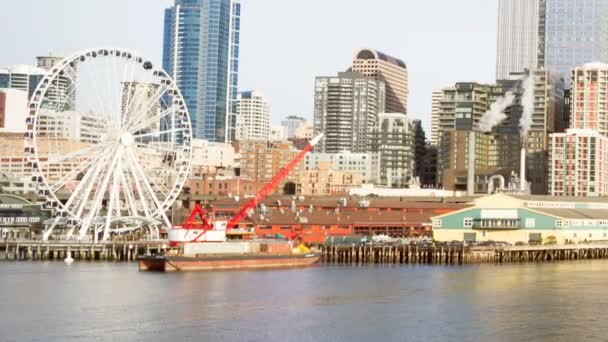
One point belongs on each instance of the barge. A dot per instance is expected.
(167, 263)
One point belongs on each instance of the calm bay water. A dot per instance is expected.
(97, 301)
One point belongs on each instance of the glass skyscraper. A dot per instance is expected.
(576, 33)
(520, 35)
(201, 52)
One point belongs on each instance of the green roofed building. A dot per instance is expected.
(519, 218)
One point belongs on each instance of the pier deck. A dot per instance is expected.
(458, 255)
(102, 251)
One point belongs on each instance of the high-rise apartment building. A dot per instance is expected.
(394, 142)
(346, 110)
(579, 163)
(291, 124)
(520, 43)
(588, 98)
(576, 33)
(548, 117)
(253, 116)
(435, 112)
(392, 71)
(201, 53)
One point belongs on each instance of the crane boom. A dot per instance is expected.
(201, 226)
(270, 186)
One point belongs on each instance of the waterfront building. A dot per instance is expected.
(253, 116)
(394, 143)
(201, 53)
(292, 123)
(520, 39)
(579, 164)
(13, 110)
(576, 33)
(437, 96)
(527, 219)
(356, 163)
(324, 180)
(19, 217)
(346, 110)
(317, 218)
(390, 70)
(261, 161)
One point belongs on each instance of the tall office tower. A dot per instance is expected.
(435, 111)
(576, 33)
(588, 98)
(394, 143)
(201, 53)
(253, 112)
(291, 124)
(346, 111)
(392, 71)
(520, 43)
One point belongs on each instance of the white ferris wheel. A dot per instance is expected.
(109, 140)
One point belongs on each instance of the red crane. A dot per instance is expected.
(202, 226)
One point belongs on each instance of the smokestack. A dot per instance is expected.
(471, 165)
(522, 168)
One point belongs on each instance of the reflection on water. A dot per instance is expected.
(53, 301)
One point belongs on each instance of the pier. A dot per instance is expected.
(85, 251)
(458, 255)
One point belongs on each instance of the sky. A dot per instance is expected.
(284, 43)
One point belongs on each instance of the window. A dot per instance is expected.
(436, 223)
(530, 223)
(468, 222)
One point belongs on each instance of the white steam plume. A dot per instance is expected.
(496, 114)
(527, 103)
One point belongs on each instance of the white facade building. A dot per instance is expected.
(212, 154)
(277, 133)
(360, 163)
(253, 116)
(520, 42)
(435, 113)
(72, 125)
(13, 110)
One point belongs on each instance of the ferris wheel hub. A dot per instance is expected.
(126, 139)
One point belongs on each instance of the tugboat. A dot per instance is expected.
(202, 245)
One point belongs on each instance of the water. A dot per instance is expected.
(96, 301)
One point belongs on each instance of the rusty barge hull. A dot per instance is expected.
(225, 262)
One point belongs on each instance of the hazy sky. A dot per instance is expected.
(284, 43)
